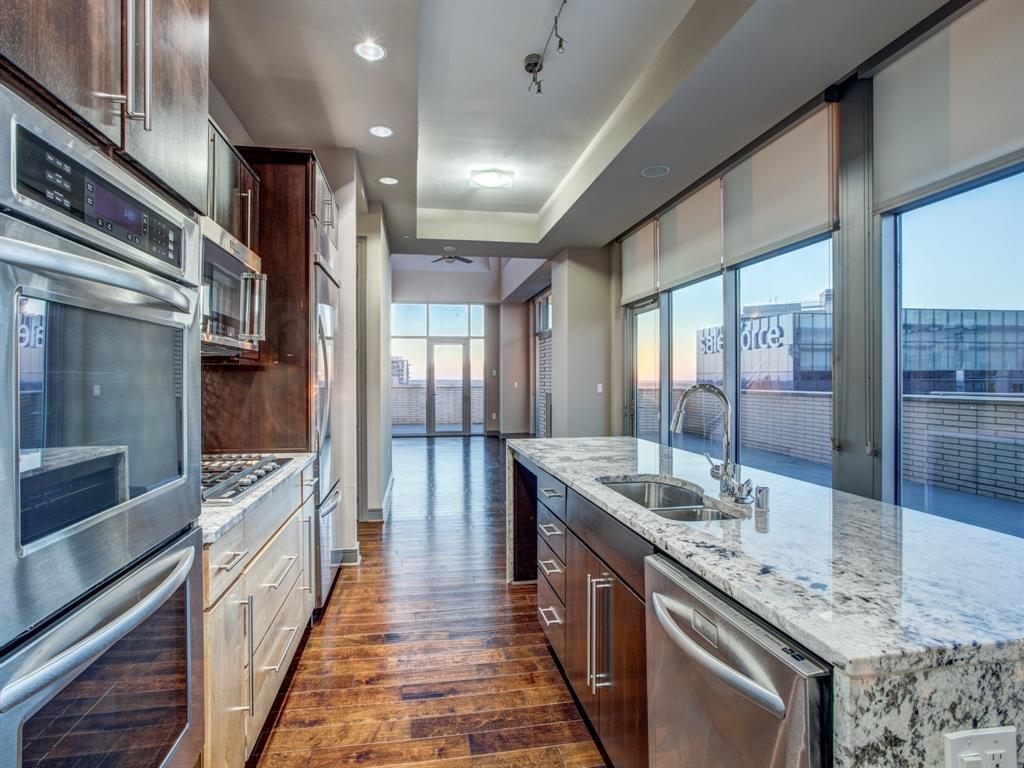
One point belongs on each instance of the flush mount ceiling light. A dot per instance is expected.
(491, 178)
(449, 249)
(655, 171)
(370, 50)
(389, 180)
(381, 131)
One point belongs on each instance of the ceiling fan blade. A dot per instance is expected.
(463, 259)
(437, 260)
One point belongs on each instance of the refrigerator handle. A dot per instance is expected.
(325, 407)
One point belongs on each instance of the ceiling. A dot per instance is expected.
(686, 83)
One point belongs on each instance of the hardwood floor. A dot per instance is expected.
(425, 657)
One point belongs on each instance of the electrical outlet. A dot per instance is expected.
(981, 748)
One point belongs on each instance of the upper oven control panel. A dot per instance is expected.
(52, 178)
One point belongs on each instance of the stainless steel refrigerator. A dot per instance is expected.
(327, 327)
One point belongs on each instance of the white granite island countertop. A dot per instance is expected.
(921, 617)
(217, 519)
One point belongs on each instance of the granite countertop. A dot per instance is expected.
(870, 587)
(218, 519)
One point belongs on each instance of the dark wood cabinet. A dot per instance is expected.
(71, 49)
(588, 566)
(138, 80)
(233, 191)
(172, 87)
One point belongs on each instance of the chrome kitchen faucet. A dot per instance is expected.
(725, 472)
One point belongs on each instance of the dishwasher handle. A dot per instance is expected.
(739, 682)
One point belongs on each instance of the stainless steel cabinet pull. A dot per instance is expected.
(250, 648)
(130, 110)
(284, 655)
(551, 493)
(236, 558)
(739, 682)
(549, 530)
(247, 606)
(84, 652)
(590, 632)
(549, 567)
(277, 584)
(548, 622)
(248, 216)
(254, 307)
(599, 679)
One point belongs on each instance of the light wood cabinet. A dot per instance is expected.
(254, 623)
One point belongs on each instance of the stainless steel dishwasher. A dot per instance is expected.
(724, 691)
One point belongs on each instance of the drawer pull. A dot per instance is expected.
(551, 493)
(277, 584)
(250, 646)
(548, 622)
(291, 636)
(549, 567)
(236, 558)
(549, 530)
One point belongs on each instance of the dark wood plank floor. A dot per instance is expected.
(425, 657)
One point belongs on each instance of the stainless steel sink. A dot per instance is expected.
(656, 495)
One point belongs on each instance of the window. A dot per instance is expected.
(697, 355)
(647, 373)
(431, 346)
(785, 363)
(961, 364)
(542, 365)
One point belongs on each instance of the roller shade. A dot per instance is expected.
(690, 237)
(639, 267)
(952, 108)
(785, 192)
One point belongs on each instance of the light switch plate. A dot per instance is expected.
(981, 748)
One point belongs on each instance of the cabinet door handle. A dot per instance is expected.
(284, 655)
(277, 584)
(549, 530)
(549, 567)
(593, 675)
(250, 648)
(248, 216)
(550, 493)
(130, 110)
(548, 622)
(236, 558)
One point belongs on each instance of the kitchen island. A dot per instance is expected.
(920, 617)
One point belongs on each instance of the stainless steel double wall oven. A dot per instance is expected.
(101, 614)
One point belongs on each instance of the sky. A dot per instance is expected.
(446, 320)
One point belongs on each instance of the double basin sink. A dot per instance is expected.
(668, 500)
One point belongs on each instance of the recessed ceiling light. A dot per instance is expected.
(389, 180)
(381, 131)
(449, 249)
(491, 178)
(370, 50)
(655, 171)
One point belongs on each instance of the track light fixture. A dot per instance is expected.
(534, 62)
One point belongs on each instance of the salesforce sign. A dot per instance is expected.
(711, 341)
(765, 344)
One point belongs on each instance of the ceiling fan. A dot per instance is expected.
(451, 258)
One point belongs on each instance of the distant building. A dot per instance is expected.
(399, 370)
(789, 347)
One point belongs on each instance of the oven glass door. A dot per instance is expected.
(127, 690)
(99, 412)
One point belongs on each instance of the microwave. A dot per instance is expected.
(234, 294)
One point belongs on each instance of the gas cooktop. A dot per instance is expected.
(226, 477)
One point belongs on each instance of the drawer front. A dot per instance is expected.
(224, 560)
(271, 575)
(551, 615)
(266, 517)
(551, 566)
(623, 550)
(551, 531)
(551, 492)
(272, 658)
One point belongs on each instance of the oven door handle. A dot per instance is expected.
(749, 689)
(92, 647)
(31, 256)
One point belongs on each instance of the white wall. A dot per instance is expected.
(492, 368)
(453, 285)
(224, 116)
(581, 336)
(515, 368)
(376, 377)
